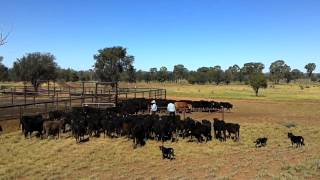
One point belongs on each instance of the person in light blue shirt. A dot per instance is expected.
(154, 107)
(171, 108)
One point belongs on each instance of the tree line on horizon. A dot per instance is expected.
(115, 64)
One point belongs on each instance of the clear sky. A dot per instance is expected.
(165, 32)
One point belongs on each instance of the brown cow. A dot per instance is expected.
(182, 106)
(52, 128)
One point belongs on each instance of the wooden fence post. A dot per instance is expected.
(25, 95)
(70, 97)
(57, 102)
(48, 88)
(11, 96)
(116, 98)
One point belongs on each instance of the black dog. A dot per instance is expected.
(260, 142)
(298, 140)
(167, 152)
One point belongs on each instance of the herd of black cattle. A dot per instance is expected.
(133, 106)
(125, 121)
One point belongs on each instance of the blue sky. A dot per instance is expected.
(165, 32)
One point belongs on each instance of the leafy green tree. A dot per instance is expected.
(279, 70)
(131, 74)
(296, 74)
(252, 67)
(35, 67)
(310, 67)
(202, 75)
(110, 62)
(4, 71)
(163, 74)
(217, 74)
(85, 75)
(228, 76)
(233, 72)
(193, 77)
(74, 76)
(179, 72)
(153, 74)
(257, 81)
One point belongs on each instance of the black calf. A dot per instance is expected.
(260, 142)
(298, 140)
(167, 153)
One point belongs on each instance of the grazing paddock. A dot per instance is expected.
(282, 92)
(106, 158)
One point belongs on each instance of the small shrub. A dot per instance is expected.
(301, 87)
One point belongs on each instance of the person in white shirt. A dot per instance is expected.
(154, 107)
(171, 108)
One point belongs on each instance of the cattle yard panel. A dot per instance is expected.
(21, 100)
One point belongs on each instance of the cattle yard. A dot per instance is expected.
(19, 100)
(114, 158)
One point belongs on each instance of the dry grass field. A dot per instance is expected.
(105, 158)
(284, 92)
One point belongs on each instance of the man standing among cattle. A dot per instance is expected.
(154, 107)
(171, 109)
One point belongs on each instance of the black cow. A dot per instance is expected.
(32, 123)
(260, 142)
(167, 153)
(233, 129)
(206, 129)
(219, 128)
(226, 105)
(78, 123)
(298, 140)
(56, 115)
(138, 135)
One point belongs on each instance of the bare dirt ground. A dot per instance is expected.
(105, 158)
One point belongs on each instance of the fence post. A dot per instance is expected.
(20, 112)
(54, 88)
(11, 96)
(70, 96)
(48, 88)
(57, 102)
(116, 98)
(83, 88)
(92, 96)
(96, 91)
(25, 95)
